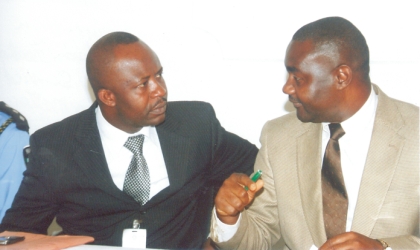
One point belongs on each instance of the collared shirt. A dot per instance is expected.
(354, 146)
(12, 164)
(119, 157)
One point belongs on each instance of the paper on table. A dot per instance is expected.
(44, 242)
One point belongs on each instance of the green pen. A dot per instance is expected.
(255, 177)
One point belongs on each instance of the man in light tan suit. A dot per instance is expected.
(328, 65)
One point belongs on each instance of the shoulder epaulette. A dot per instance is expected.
(18, 118)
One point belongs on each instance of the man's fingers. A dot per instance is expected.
(351, 240)
(231, 203)
(245, 181)
(254, 188)
(259, 184)
(233, 197)
(232, 194)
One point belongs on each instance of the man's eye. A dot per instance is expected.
(297, 79)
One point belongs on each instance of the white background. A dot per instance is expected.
(228, 53)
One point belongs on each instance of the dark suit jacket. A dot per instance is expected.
(68, 177)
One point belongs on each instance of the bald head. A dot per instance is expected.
(101, 55)
(342, 35)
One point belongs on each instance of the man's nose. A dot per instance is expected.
(159, 88)
(288, 87)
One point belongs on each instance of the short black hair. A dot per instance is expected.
(349, 40)
(105, 44)
(116, 38)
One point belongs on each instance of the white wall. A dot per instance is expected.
(228, 53)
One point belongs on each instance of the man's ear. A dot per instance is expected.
(344, 75)
(106, 97)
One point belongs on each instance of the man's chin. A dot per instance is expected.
(302, 117)
(158, 120)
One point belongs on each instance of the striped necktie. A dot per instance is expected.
(334, 195)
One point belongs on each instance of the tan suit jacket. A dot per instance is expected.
(289, 209)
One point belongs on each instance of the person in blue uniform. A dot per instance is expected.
(14, 137)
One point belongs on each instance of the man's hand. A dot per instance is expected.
(232, 197)
(351, 240)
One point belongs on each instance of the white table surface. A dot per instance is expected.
(98, 247)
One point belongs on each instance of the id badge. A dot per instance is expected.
(134, 237)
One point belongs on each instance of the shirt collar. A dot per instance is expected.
(110, 133)
(363, 118)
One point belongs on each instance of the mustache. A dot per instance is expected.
(162, 100)
(291, 99)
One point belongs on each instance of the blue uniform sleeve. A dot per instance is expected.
(12, 164)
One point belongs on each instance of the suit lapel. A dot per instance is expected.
(309, 175)
(90, 155)
(382, 159)
(175, 149)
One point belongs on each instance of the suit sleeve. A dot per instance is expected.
(259, 226)
(231, 153)
(34, 207)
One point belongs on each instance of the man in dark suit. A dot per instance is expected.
(77, 167)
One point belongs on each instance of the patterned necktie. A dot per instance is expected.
(334, 195)
(137, 178)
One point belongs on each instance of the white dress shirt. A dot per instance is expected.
(354, 146)
(119, 157)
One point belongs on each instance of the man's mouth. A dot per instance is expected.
(159, 108)
(295, 102)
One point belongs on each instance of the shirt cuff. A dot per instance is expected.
(313, 247)
(224, 231)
